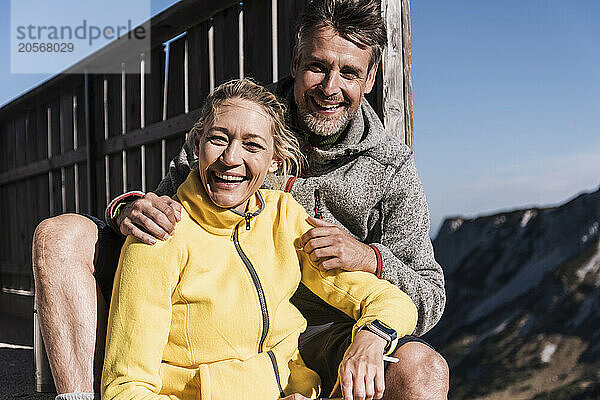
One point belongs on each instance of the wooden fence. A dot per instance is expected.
(78, 140)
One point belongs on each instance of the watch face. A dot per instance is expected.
(391, 333)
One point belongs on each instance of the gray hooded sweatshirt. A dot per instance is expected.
(368, 184)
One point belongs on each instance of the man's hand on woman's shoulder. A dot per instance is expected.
(149, 218)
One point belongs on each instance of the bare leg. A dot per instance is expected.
(421, 374)
(71, 310)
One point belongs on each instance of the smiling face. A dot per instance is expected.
(235, 153)
(331, 75)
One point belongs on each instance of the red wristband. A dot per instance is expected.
(379, 269)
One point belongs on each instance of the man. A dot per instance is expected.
(358, 178)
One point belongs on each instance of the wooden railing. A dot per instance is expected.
(78, 140)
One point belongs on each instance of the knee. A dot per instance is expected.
(65, 236)
(421, 371)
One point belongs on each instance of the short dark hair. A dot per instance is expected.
(358, 21)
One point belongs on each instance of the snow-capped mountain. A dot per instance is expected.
(522, 319)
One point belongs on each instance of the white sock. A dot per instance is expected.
(77, 396)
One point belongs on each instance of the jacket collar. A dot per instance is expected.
(212, 218)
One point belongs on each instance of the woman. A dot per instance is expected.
(206, 314)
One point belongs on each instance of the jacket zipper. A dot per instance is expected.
(261, 301)
(277, 378)
(257, 285)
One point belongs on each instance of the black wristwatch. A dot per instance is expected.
(383, 331)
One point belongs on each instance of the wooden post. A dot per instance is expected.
(397, 71)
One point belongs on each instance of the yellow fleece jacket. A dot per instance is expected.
(206, 314)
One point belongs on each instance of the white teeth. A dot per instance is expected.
(325, 105)
(229, 178)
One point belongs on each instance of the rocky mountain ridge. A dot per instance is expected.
(522, 319)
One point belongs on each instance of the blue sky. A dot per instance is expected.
(506, 101)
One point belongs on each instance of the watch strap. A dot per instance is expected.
(383, 331)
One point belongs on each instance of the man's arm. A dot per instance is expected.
(152, 215)
(405, 247)
(403, 255)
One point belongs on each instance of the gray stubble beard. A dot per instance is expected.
(324, 126)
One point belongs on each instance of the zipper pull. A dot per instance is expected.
(248, 217)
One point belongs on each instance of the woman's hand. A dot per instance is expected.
(361, 374)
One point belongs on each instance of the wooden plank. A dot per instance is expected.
(20, 222)
(80, 114)
(31, 137)
(133, 97)
(42, 166)
(288, 12)
(153, 104)
(199, 79)
(43, 200)
(68, 177)
(66, 122)
(54, 176)
(20, 141)
(84, 205)
(154, 87)
(39, 167)
(153, 165)
(41, 133)
(115, 175)
(133, 122)
(161, 130)
(409, 130)
(31, 202)
(102, 195)
(164, 129)
(134, 169)
(175, 78)
(258, 49)
(80, 137)
(115, 129)
(54, 129)
(10, 134)
(226, 48)
(96, 139)
(393, 82)
(5, 216)
(11, 200)
(67, 142)
(4, 221)
(56, 190)
(4, 127)
(19, 188)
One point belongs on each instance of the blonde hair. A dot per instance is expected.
(286, 149)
